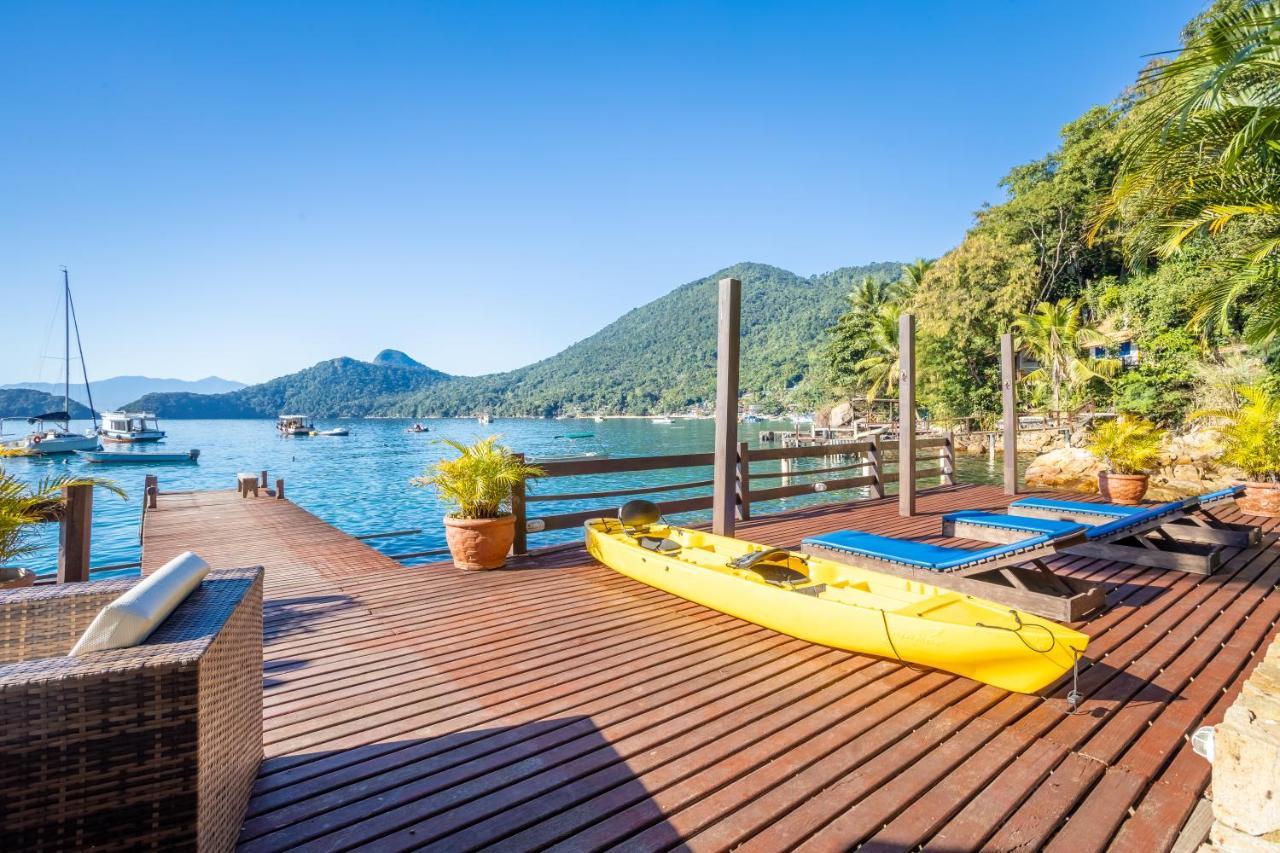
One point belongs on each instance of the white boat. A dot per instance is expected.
(598, 419)
(483, 419)
(294, 425)
(662, 420)
(52, 430)
(130, 427)
(752, 419)
(334, 431)
(125, 457)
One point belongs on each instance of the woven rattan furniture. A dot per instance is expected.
(150, 747)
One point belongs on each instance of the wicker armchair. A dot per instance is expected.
(155, 746)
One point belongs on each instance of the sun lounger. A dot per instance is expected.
(1010, 572)
(1182, 535)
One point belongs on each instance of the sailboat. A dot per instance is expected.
(51, 431)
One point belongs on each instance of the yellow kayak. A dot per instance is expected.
(842, 606)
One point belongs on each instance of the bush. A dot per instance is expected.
(1127, 445)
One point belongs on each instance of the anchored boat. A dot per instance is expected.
(130, 427)
(837, 605)
(52, 433)
(294, 425)
(126, 457)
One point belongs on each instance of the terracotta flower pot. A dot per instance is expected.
(479, 543)
(1125, 489)
(11, 578)
(1260, 499)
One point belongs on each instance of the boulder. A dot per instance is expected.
(1071, 469)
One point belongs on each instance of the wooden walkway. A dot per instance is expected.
(560, 705)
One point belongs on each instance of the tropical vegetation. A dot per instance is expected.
(478, 481)
(23, 505)
(1127, 444)
(1251, 433)
(1152, 231)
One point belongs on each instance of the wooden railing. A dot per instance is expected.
(871, 460)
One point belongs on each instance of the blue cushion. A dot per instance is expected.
(1113, 510)
(920, 554)
(1051, 527)
(1221, 494)
(1144, 515)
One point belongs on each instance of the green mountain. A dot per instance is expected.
(340, 387)
(656, 358)
(26, 402)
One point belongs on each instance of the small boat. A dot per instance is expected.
(295, 425)
(140, 458)
(661, 420)
(752, 419)
(483, 419)
(577, 435)
(130, 427)
(837, 605)
(418, 428)
(334, 431)
(51, 435)
(598, 419)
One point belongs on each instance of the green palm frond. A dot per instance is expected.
(22, 505)
(479, 480)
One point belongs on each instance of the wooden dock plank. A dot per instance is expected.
(559, 705)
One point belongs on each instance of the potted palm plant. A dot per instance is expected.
(1129, 448)
(478, 483)
(23, 505)
(1251, 442)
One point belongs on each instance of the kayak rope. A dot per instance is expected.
(884, 617)
(1017, 632)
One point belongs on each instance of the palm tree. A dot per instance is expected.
(1054, 333)
(879, 369)
(913, 276)
(1203, 156)
(22, 505)
(870, 294)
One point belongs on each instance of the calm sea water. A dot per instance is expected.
(360, 483)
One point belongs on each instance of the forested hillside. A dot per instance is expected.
(656, 358)
(1138, 263)
(340, 387)
(26, 403)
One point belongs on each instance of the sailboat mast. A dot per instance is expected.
(66, 343)
(84, 368)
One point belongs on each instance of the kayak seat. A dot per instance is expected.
(658, 543)
(779, 575)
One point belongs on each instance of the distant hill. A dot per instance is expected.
(656, 358)
(339, 387)
(660, 357)
(26, 403)
(115, 392)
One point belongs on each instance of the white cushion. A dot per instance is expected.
(132, 617)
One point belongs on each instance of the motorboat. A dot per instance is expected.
(334, 431)
(484, 419)
(294, 425)
(418, 428)
(661, 420)
(130, 427)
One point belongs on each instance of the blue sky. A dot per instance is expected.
(245, 189)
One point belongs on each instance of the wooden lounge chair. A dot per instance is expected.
(151, 747)
(1183, 535)
(1011, 572)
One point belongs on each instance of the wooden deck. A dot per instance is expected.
(560, 705)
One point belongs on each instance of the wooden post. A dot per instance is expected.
(264, 479)
(744, 482)
(1009, 399)
(877, 465)
(73, 535)
(729, 322)
(907, 415)
(151, 489)
(948, 455)
(520, 545)
(280, 489)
